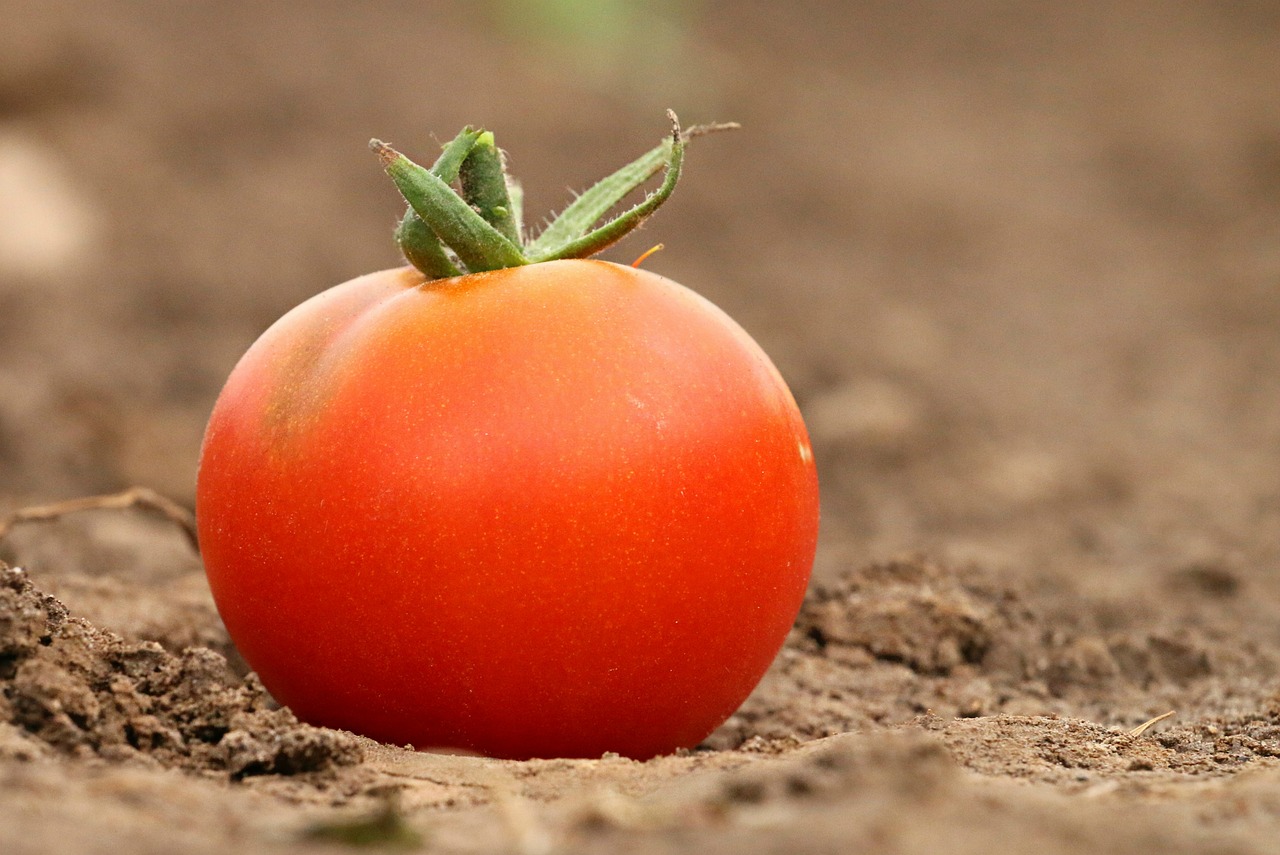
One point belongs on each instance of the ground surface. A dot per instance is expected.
(1019, 262)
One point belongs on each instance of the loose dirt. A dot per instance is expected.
(1019, 265)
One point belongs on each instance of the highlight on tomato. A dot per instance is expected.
(509, 499)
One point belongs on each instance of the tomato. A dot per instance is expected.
(557, 509)
(553, 510)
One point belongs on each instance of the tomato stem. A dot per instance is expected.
(446, 232)
(617, 228)
(479, 245)
(484, 187)
(419, 244)
(421, 248)
(574, 221)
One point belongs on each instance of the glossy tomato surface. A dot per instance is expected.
(553, 510)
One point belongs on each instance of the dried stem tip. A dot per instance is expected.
(386, 154)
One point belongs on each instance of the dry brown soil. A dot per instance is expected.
(1020, 263)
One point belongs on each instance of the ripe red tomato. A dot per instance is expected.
(552, 510)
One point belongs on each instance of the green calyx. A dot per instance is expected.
(447, 232)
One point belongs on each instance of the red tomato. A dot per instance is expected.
(552, 510)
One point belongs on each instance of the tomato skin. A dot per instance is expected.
(553, 510)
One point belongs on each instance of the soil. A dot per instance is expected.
(1019, 263)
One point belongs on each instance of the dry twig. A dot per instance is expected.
(1142, 728)
(134, 497)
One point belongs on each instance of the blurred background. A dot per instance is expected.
(1019, 261)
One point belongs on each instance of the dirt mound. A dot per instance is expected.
(69, 687)
(888, 642)
(914, 613)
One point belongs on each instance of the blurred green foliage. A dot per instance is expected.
(639, 48)
(383, 828)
